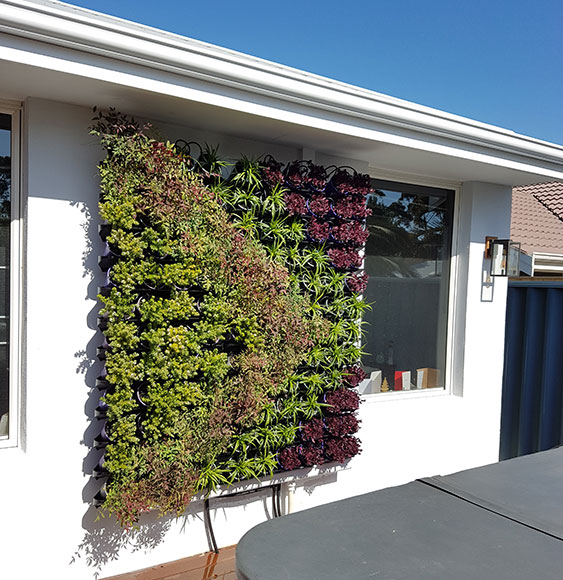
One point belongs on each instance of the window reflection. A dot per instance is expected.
(407, 260)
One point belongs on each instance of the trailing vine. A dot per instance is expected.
(228, 327)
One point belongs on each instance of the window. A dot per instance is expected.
(408, 262)
(9, 281)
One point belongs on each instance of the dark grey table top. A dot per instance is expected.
(500, 522)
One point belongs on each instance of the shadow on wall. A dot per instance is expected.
(104, 538)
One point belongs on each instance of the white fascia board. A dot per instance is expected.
(546, 269)
(89, 32)
(544, 262)
(159, 87)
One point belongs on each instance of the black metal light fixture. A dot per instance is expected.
(504, 256)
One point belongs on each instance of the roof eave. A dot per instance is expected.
(89, 32)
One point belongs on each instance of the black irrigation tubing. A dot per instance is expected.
(279, 500)
(276, 508)
(276, 500)
(274, 503)
(209, 527)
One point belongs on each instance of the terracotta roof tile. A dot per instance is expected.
(537, 217)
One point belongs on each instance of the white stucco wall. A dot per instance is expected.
(47, 528)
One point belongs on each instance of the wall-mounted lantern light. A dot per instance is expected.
(504, 256)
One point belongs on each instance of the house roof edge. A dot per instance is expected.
(95, 33)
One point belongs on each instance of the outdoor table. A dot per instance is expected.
(499, 522)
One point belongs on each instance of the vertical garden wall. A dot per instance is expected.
(231, 316)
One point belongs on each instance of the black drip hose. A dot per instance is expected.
(275, 512)
(276, 509)
(279, 500)
(209, 527)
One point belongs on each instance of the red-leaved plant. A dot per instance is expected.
(296, 175)
(341, 425)
(289, 458)
(352, 233)
(345, 258)
(342, 400)
(318, 231)
(316, 177)
(357, 282)
(362, 184)
(313, 430)
(319, 205)
(341, 449)
(354, 375)
(312, 455)
(271, 171)
(345, 182)
(342, 181)
(295, 204)
(351, 208)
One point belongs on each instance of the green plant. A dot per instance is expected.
(247, 221)
(247, 174)
(274, 202)
(211, 164)
(274, 230)
(226, 327)
(187, 282)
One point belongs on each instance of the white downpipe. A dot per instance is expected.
(291, 488)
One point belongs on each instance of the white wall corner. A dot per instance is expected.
(460, 267)
(489, 215)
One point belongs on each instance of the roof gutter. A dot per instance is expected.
(86, 31)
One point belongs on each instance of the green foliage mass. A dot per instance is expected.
(205, 331)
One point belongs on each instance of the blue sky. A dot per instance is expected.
(497, 61)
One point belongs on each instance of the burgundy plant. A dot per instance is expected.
(312, 455)
(271, 171)
(295, 204)
(289, 458)
(354, 375)
(341, 449)
(316, 177)
(357, 282)
(319, 205)
(342, 180)
(296, 175)
(361, 184)
(341, 425)
(313, 430)
(342, 400)
(352, 233)
(351, 208)
(351, 183)
(345, 259)
(318, 231)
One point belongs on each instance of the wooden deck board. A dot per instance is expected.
(208, 566)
